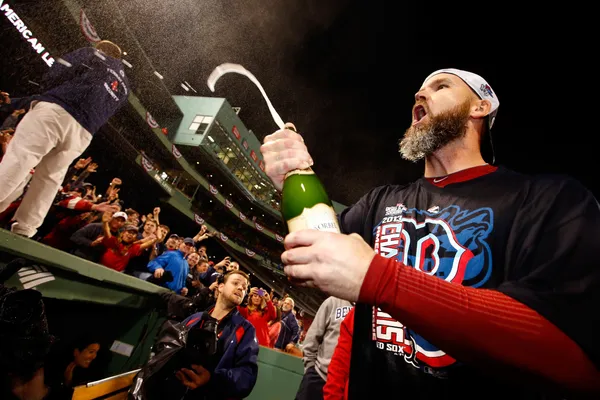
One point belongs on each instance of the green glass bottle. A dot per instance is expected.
(305, 204)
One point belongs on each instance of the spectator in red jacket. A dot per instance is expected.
(259, 312)
(120, 251)
(87, 241)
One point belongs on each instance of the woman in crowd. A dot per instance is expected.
(72, 368)
(259, 311)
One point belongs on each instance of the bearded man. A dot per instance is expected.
(474, 282)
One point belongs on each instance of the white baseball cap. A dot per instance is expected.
(120, 214)
(479, 86)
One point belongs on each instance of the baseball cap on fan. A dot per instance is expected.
(120, 214)
(130, 227)
(479, 86)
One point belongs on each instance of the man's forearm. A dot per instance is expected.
(106, 230)
(478, 326)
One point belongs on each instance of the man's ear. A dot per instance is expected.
(481, 109)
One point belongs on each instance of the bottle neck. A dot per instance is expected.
(306, 171)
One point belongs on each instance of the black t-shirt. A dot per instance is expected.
(534, 239)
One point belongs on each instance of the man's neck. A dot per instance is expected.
(221, 309)
(453, 157)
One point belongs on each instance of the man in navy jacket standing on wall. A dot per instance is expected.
(82, 92)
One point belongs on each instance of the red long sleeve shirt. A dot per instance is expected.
(260, 321)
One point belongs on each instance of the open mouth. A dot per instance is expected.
(419, 113)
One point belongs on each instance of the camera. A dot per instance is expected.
(176, 350)
(202, 340)
(261, 292)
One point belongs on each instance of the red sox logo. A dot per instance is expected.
(449, 243)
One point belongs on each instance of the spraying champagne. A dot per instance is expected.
(305, 204)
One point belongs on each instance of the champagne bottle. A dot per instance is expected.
(305, 204)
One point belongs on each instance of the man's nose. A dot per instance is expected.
(421, 95)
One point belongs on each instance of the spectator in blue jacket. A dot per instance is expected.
(175, 263)
(290, 331)
(82, 91)
(231, 373)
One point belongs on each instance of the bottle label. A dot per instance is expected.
(320, 217)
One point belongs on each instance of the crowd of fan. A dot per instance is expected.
(98, 227)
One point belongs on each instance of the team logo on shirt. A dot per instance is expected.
(434, 209)
(396, 210)
(114, 87)
(448, 243)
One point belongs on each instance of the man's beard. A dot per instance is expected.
(422, 140)
(232, 301)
